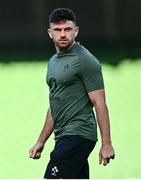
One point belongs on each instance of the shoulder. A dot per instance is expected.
(51, 59)
(87, 59)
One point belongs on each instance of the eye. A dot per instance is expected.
(68, 29)
(57, 29)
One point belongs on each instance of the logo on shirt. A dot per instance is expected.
(66, 67)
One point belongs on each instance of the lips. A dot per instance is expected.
(63, 40)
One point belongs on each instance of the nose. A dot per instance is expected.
(63, 33)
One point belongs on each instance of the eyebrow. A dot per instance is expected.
(67, 28)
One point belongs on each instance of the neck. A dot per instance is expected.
(58, 50)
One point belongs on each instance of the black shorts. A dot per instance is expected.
(69, 159)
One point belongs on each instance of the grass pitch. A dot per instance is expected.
(23, 106)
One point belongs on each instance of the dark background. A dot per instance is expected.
(108, 26)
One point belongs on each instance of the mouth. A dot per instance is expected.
(63, 40)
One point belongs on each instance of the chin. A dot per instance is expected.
(64, 46)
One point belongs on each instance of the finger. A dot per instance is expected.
(108, 160)
(104, 162)
(113, 156)
(100, 159)
(37, 155)
(33, 153)
(30, 153)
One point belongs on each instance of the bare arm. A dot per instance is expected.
(98, 99)
(47, 129)
(35, 151)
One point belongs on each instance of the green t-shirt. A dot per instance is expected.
(71, 75)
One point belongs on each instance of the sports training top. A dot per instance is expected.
(71, 75)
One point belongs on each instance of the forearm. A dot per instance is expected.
(47, 129)
(103, 122)
(98, 100)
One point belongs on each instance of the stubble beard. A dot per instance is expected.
(64, 44)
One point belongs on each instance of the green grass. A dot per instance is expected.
(23, 106)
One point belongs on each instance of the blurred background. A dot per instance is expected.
(103, 24)
(111, 30)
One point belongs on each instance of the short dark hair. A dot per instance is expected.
(62, 14)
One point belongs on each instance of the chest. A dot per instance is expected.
(62, 71)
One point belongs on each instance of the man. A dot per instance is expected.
(76, 86)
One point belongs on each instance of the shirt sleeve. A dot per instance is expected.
(91, 73)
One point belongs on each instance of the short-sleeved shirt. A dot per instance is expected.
(71, 76)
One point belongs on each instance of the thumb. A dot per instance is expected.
(32, 153)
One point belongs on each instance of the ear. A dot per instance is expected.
(49, 33)
(76, 30)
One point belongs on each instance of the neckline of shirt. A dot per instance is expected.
(67, 51)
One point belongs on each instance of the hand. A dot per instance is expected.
(35, 151)
(106, 153)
